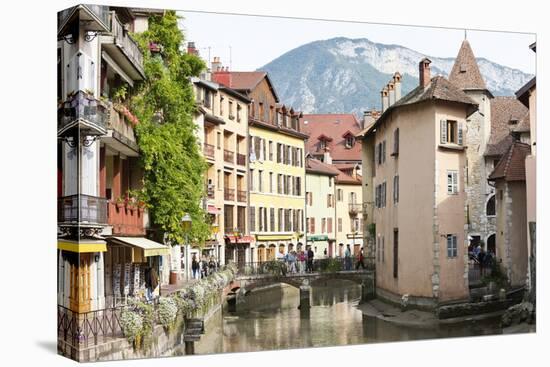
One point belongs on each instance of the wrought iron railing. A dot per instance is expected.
(355, 208)
(209, 150)
(82, 209)
(229, 194)
(241, 159)
(125, 42)
(83, 329)
(83, 106)
(229, 156)
(285, 267)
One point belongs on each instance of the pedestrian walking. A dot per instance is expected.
(301, 261)
(347, 258)
(195, 267)
(360, 260)
(310, 255)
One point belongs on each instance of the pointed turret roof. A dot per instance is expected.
(465, 73)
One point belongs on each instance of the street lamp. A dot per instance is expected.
(186, 222)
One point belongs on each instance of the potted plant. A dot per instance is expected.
(120, 202)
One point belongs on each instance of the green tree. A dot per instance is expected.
(164, 103)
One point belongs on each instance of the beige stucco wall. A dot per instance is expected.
(318, 186)
(367, 157)
(346, 236)
(424, 213)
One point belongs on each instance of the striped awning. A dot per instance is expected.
(150, 248)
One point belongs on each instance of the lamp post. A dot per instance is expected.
(186, 222)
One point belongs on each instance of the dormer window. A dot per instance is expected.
(513, 121)
(322, 144)
(349, 139)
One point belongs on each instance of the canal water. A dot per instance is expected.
(269, 319)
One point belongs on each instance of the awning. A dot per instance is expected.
(150, 248)
(211, 209)
(242, 239)
(82, 246)
(320, 237)
(274, 237)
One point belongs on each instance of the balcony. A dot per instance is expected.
(229, 194)
(228, 156)
(122, 49)
(82, 209)
(241, 159)
(241, 196)
(209, 150)
(120, 130)
(125, 219)
(90, 17)
(83, 112)
(354, 208)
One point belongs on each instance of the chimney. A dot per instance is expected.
(397, 85)
(216, 64)
(366, 115)
(391, 94)
(384, 95)
(191, 48)
(424, 72)
(326, 156)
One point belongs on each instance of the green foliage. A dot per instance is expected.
(372, 229)
(275, 267)
(498, 276)
(330, 265)
(173, 165)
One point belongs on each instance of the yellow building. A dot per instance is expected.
(276, 169)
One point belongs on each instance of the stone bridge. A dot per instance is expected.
(303, 281)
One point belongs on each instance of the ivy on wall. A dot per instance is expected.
(169, 151)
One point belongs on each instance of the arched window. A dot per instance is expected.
(491, 207)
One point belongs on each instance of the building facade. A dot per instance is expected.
(103, 254)
(276, 166)
(222, 121)
(321, 207)
(416, 153)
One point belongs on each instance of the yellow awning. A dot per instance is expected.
(274, 237)
(82, 246)
(150, 248)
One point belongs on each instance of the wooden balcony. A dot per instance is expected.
(125, 219)
(209, 150)
(228, 156)
(229, 194)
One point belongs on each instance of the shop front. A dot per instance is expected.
(238, 249)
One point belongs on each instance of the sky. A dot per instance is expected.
(248, 42)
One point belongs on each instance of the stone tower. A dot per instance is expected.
(466, 75)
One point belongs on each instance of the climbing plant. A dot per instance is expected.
(169, 150)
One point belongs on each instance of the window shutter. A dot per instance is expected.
(443, 130)
(376, 155)
(460, 133)
(396, 141)
(384, 151)
(397, 190)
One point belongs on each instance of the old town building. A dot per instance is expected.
(276, 166)
(222, 122)
(103, 254)
(414, 154)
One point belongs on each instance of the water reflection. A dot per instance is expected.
(270, 319)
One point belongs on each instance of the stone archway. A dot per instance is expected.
(491, 244)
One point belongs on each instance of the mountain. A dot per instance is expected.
(346, 75)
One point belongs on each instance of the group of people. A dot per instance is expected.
(360, 259)
(202, 267)
(480, 256)
(298, 261)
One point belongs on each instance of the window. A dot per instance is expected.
(451, 132)
(395, 189)
(221, 105)
(329, 225)
(298, 186)
(239, 111)
(251, 180)
(330, 201)
(330, 182)
(279, 151)
(280, 220)
(339, 195)
(396, 142)
(231, 116)
(452, 182)
(350, 141)
(309, 198)
(219, 140)
(395, 251)
(270, 150)
(491, 207)
(279, 183)
(322, 144)
(323, 225)
(352, 198)
(261, 180)
(252, 219)
(270, 182)
(383, 195)
(272, 219)
(452, 248)
(339, 224)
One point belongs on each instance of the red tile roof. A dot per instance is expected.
(333, 126)
(346, 179)
(511, 166)
(243, 81)
(504, 109)
(316, 166)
